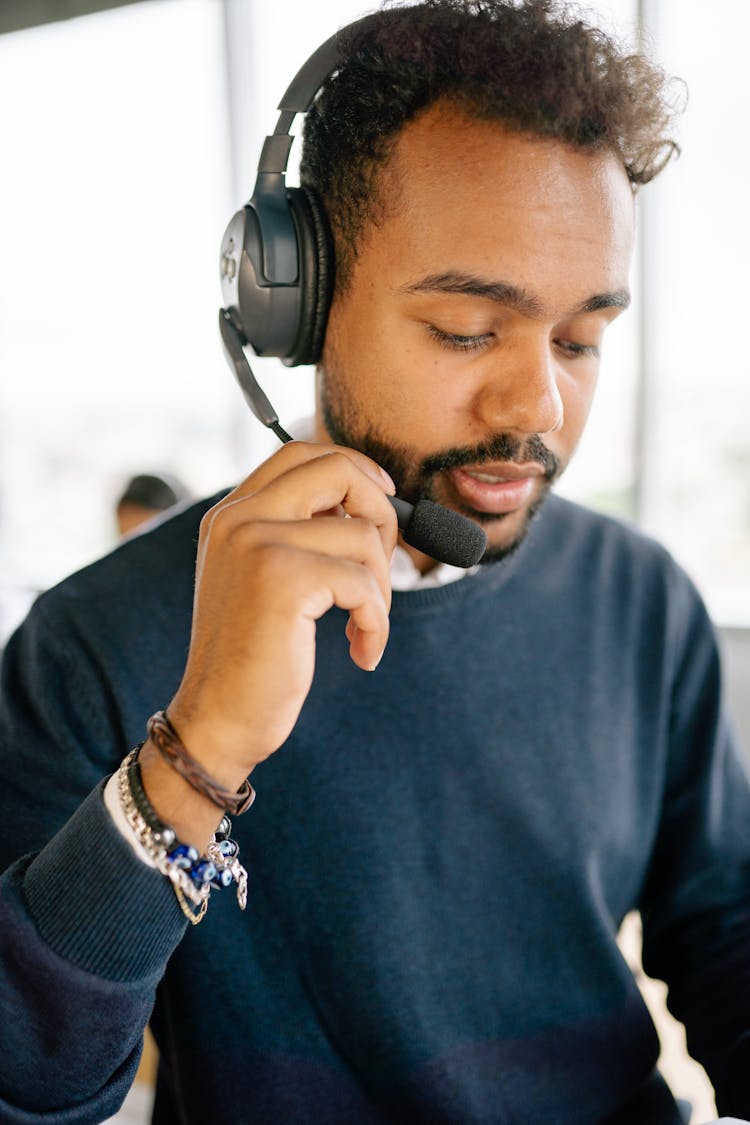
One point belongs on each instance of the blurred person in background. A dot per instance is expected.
(145, 496)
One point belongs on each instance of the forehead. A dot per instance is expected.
(491, 200)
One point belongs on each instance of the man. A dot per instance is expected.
(442, 850)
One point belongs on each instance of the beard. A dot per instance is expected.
(417, 479)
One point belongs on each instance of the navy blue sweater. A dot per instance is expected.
(439, 857)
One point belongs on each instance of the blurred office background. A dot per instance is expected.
(129, 135)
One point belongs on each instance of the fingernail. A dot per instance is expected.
(388, 480)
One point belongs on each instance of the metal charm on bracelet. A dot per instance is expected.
(191, 875)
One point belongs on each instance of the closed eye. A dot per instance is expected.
(571, 348)
(457, 342)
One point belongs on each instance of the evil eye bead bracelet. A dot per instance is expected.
(192, 875)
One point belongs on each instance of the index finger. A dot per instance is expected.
(319, 484)
(295, 453)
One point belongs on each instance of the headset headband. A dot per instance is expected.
(269, 193)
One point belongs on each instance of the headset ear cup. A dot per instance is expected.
(317, 274)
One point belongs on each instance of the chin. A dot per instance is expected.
(510, 528)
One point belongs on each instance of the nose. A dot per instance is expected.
(519, 390)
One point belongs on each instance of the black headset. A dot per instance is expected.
(277, 261)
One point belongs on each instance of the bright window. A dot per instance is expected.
(696, 471)
(116, 185)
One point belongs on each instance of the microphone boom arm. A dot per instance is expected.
(234, 349)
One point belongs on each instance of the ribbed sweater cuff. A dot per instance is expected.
(96, 904)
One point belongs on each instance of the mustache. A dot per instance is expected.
(501, 447)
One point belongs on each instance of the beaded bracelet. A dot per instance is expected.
(192, 876)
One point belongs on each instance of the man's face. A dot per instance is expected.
(464, 354)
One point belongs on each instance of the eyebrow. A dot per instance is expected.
(504, 293)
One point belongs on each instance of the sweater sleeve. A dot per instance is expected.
(86, 929)
(696, 905)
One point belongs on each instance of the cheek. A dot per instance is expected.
(577, 395)
(377, 367)
(420, 400)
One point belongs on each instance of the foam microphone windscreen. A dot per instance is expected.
(444, 535)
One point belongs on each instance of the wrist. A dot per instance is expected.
(227, 750)
(192, 872)
(168, 742)
(192, 815)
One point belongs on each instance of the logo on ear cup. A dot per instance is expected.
(229, 262)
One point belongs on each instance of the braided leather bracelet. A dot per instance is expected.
(167, 741)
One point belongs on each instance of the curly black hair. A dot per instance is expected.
(534, 65)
